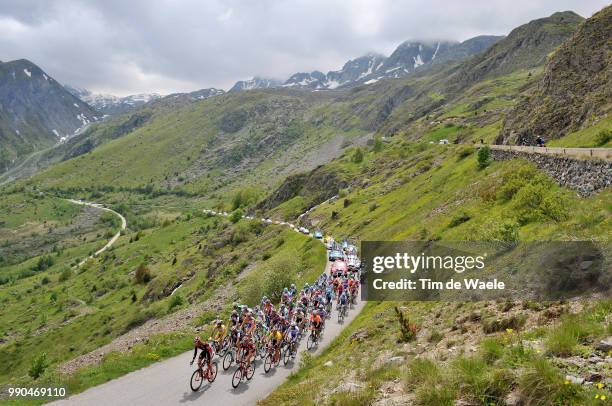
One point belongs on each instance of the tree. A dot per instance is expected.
(483, 156)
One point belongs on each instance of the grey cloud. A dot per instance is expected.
(140, 46)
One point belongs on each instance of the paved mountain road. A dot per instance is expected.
(114, 238)
(167, 382)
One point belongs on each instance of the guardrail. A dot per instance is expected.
(601, 153)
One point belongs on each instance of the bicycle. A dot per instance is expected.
(341, 313)
(290, 352)
(243, 371)
(273, 358)
(221, 346)
(229, 357)
(199, 375)
(313, 339)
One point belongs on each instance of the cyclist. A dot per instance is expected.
(285, 298)
(315, 322)
(206, 353)
(234, 318)
(276, 340)
(322, 314)
(293, 291)
(291, 336)
(219, 332)
(248, 324)
(343, 300)
(247, 347)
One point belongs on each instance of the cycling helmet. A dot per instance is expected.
(293, 286)
(196, 340)
(293, 324)
(219, 322)
(234, 312)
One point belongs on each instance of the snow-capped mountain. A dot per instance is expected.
(255, 83)
(407, 58)
(35, 111)
(205, 93)
(110, 105)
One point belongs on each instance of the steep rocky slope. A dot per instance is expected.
(575, 90)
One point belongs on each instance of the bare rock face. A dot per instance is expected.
(575, 88)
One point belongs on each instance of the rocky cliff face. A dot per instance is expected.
(317, 186)
(574, 91)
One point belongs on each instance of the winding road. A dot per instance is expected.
(167, 382)
(113, 239)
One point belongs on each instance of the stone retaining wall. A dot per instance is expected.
(586, 176)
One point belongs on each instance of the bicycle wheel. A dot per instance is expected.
(228, 359)
(196, 380)
(280, 355)
(287, 355)
(261, 351)
(237, 378)
(213, 373)
(268, 363)
(310, 342)
(250, 371)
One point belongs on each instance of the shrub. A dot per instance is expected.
(464, 152)
(43, 263)
(175, 300)
(278, 276)
(435, 336)
(603, 137)
(244, 197)
(236, 216)
(143, 274)
(408, 330)
(459, 219)
(38, 366)
(65, 275)
(357, 156)
(378, 145)
(240, 233)
(483, 156)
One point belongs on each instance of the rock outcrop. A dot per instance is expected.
(574, 91)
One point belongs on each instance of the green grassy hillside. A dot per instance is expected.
(479, 352)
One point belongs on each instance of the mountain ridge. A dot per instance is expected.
(35, 111)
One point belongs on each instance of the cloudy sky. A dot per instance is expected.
(124, 47)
